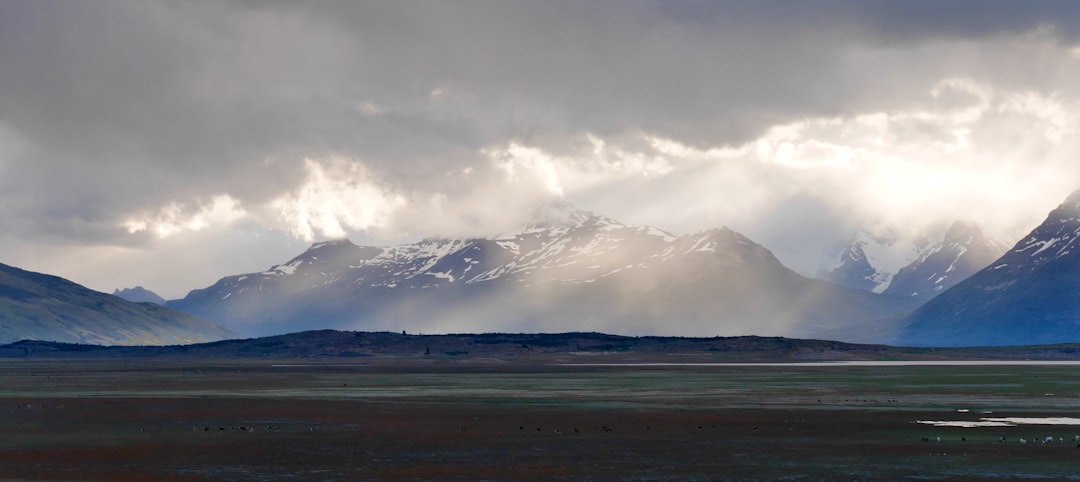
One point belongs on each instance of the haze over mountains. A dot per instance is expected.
(575, 271)
(588, 272)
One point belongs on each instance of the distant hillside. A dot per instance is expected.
(523, 349)
(139, 294)
(43, 307)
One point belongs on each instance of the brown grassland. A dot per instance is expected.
(444, 420)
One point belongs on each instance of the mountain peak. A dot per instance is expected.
(326, 249)
(733, 235)
(1068, 210)
(332, 243)
(960, 227)
(1055, 238)
(946, 260)
(139, 294)
(336, 252)
(963, 232)
(559, 214)
(871, 260)
(1073, 198)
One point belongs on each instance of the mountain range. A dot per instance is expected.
(43, 307)
(575, 271)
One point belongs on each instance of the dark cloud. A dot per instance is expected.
(117, 109)
(962, 19)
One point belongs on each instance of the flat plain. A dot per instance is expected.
(158, 419)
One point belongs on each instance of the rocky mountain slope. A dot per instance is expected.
(1030, 295)
(578, 272)
(43, 307)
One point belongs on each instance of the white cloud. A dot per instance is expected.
(336, 196)
(594, 164)
(176, 217)
(1055, 119)
(674, 149)
(988, 160)
(369, 108)
(519, 161)
(969, 151)
(173, 265)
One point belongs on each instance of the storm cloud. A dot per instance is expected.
(170, 143)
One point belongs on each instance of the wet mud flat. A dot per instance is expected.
(160, 420)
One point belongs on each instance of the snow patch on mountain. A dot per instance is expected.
(284, 269)
(872, 259)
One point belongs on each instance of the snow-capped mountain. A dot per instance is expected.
(870, 261)
(1030, 295)
(944, 261)
(921, 267)
(572, 272)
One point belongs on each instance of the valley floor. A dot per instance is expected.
(260, 420)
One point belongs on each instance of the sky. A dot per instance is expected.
(167, 144)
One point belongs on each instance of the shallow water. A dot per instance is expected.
(1002, 422)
